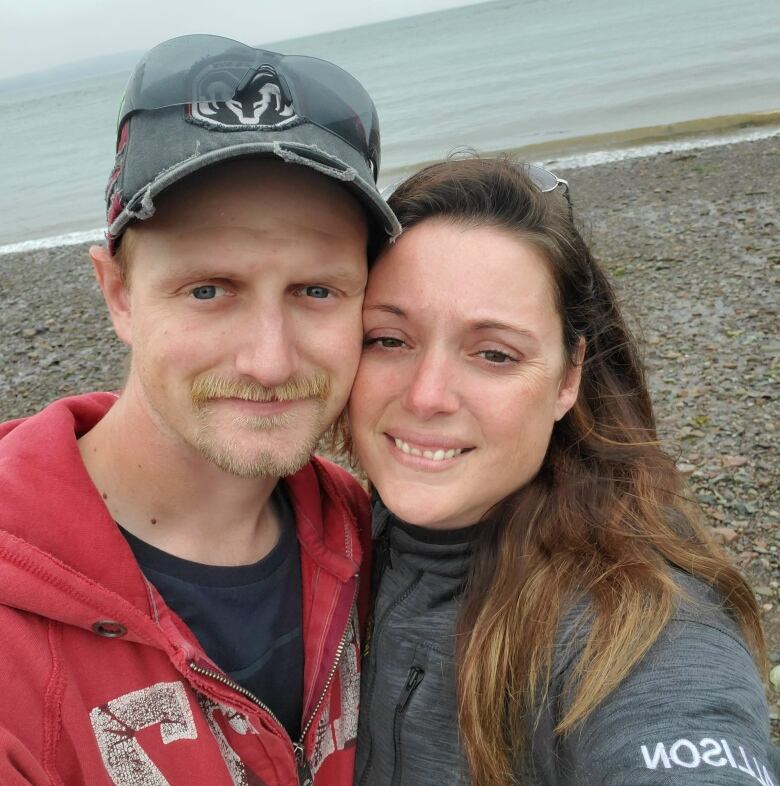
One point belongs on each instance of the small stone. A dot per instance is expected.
(767, 607)
(733, 461)
(684, 468)
(764, 591)
(723, 535)
(774, 678)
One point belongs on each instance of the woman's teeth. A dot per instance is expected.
(434, 455)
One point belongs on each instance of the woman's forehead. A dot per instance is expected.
(480, 274)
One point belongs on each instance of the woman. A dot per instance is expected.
(548, 610)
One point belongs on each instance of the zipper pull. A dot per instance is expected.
(415, 677)
(305, 776)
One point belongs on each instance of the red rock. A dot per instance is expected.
(734, 461)
(724, 535)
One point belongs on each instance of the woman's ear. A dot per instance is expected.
(115, 291)
(570, 384)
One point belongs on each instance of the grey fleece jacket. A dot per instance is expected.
(692, 712)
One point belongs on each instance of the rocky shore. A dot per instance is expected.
(691, 242)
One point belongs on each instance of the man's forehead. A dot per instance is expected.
(254, 192)
(290, 251)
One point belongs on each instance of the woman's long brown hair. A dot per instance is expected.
(606, 518)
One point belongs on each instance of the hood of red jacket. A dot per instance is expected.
(61, 551)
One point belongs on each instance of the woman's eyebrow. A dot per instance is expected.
(491, 324)
(387, 308)
(481, 324)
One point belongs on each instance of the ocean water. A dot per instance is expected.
(572, 81)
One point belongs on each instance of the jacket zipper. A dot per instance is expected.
(413, 681)
(225, 680)
(305, 776)
(400, 598)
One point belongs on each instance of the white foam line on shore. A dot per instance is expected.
(69, 239)
(671, 146)
(564, 162)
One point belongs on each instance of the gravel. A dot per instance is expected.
(690, 241)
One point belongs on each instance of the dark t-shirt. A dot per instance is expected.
(247, 617)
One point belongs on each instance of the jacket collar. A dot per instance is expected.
(446, 553)
(58, 539)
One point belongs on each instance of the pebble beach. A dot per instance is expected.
(691, 242)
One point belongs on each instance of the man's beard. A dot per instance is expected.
(263, 462)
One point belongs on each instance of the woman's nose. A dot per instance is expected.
(432, 387)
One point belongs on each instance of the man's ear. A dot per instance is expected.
(570, 385)
(115, 291)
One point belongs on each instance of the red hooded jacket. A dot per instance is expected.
(101, 684)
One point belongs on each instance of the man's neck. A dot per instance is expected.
(165, 493)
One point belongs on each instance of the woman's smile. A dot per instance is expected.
(427, 454)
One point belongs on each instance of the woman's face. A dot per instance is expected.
(463, 372)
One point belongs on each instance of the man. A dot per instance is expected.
(171, 612)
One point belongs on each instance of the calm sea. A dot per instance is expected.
(572, 80)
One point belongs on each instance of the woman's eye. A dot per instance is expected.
(317, 292)
(496, 356)
(386, 342)
(206, 291)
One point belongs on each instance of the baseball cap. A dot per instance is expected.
(198, 100)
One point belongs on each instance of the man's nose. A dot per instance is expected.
(432, 389)
(267, 348)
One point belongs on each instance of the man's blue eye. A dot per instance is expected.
(206, 292)
(318, 292)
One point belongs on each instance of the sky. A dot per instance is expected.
(38, 34)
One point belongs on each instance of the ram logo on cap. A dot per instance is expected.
(260, 105)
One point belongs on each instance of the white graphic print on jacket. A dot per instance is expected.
(166, 704)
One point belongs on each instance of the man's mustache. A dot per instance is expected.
(208, 387)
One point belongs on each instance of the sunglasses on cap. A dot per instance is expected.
(195, 69)
(542, 178)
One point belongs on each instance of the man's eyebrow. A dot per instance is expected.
(344, 273)
(207, 271)
(194, 270)
(386, 308)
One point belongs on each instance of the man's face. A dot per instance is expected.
(244, 313)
